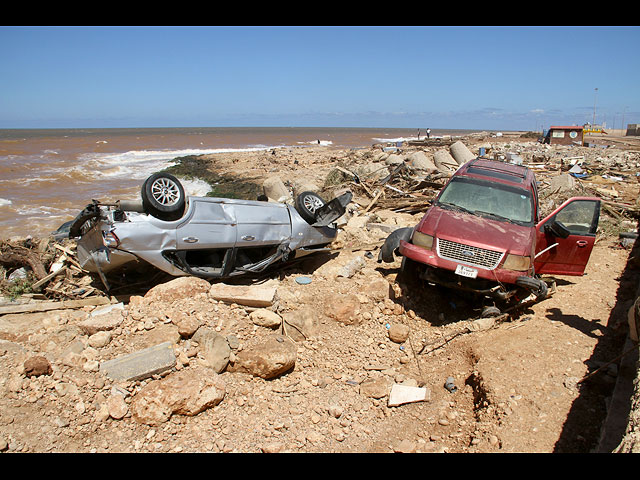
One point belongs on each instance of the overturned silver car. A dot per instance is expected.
(206, 237)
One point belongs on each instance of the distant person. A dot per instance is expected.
(428, 132)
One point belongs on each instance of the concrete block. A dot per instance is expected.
(142, 364)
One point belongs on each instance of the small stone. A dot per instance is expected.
(398, 333)
(36, 366)
(100, 339)
(405, 446)
(117, 406)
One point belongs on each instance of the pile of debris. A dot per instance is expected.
(408, 179)
(403, 181)
(43, 275)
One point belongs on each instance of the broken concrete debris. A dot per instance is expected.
(140, 365)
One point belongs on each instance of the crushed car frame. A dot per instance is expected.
(207, 237)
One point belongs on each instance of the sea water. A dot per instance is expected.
(48, 175)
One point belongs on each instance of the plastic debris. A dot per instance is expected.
(450, 385)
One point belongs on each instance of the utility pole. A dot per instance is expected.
(594, 106)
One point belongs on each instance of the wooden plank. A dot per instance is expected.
(44, 280)
(53, 305)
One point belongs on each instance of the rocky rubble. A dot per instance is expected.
(334, 364)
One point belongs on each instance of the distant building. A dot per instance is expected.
(590, 128)
(633, 129)
(572, 135)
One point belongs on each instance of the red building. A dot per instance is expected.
(572, 135)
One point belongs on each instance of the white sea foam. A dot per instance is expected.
(139, 164)
(323, 143)
(4, 201)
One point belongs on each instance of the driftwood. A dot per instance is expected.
(15, 256)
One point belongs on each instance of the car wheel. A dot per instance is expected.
(490, 311)
(84, 221)
(163, 196)
(307, 204)
(534, 285)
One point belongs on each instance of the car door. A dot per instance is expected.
(212, 225)
(205, 242)
(565, 239)
(261, 223)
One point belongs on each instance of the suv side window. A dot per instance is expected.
(580, 217)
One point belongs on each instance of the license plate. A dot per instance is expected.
(466, 271)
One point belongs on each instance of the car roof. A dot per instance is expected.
(502, 172)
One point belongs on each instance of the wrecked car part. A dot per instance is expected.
(331, 211)
(213, 238)
(392, 243)
(307, 203)
(163, 196)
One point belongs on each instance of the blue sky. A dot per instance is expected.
(495, 78)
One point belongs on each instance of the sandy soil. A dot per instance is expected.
(528, 384)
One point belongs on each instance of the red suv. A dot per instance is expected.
(483, 234)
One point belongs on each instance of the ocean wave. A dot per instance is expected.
(142, 163)
(4, 201)
(196, 188)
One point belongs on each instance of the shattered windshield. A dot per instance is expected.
(489, 200)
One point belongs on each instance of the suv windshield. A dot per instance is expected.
(491, 200)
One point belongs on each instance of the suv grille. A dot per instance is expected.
(478, 257)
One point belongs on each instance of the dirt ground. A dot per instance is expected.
(536, 381)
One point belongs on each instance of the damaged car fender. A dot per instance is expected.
(389, 249)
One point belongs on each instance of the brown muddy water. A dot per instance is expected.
(48, 175)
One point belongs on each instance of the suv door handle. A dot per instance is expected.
(581, 243)
(189, 239)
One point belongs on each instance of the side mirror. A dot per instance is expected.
(557, 229)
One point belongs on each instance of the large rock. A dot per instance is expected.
(345, 309)
(101, 323)
(275, 189)
(461, 153)
(300, 324)
(248, 295)
(420, 161)
(445, 162)
(187, 392)
(393, 160)
(177, 289)
(215, 349)
(269, 359)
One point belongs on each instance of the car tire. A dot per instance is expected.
(307, 204)
(409, 274)
(534, 285)
(490, 311)
(83, 221)
(163, 196)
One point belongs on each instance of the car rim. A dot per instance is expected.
(165, 192)
(311, 203)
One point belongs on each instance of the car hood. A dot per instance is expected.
(478, 231)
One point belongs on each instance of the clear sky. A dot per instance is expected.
(494, 78)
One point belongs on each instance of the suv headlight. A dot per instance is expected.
(517, 262)
(422, 240)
